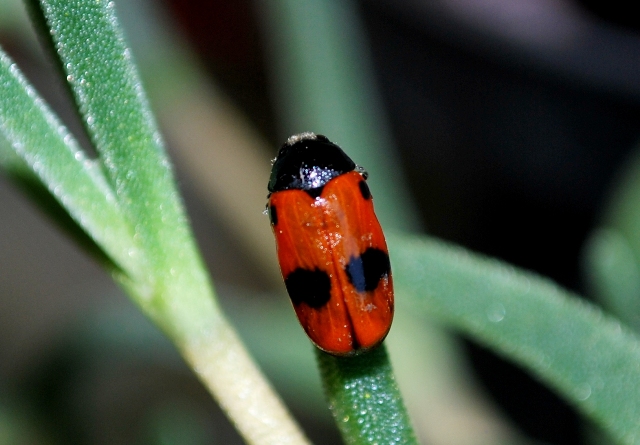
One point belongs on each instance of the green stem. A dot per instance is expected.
(364, 398)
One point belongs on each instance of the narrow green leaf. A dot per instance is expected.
(364, 399)
(584, 354)
(612, 253)
(106, 88)
(623, 212)
(614, 274)
(38, 151)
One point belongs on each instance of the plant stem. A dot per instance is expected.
(224, 366)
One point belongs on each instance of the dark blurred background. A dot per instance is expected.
(512, 119)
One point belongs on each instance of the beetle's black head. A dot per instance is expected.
(307, 162)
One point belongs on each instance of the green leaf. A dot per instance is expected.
(101, 75)
(614, 274)
(612, 253)
(39, 153)
(585, 355)
(364, 399)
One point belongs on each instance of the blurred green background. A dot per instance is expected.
(504, 123)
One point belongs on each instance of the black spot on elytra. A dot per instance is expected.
(273, 215)
(364, 189)
(366, 271)
(312, 287)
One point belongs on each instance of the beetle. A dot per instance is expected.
(332, 252)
